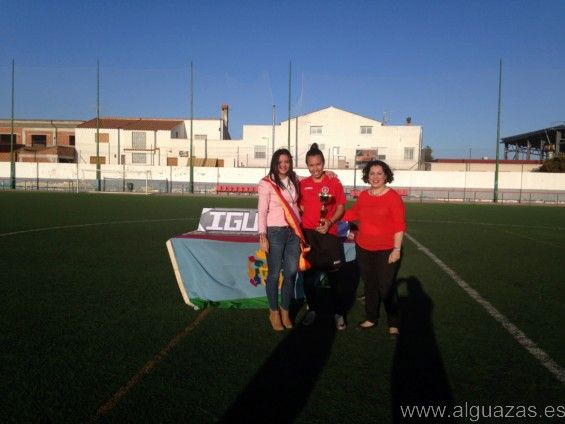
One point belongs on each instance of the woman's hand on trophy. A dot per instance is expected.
(324, 226)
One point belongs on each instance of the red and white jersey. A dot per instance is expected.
(311, 204)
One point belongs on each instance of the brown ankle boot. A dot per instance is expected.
(286, 318)
(275, 318)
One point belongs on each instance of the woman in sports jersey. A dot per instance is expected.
(320, 183)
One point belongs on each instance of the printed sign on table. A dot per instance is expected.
(221, 264)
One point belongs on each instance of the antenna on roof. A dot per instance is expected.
(385, 116)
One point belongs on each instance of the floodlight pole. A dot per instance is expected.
(98, 185)
(296, 141)
(289, 95)
(12, 153)
(273, 133)
(495, 198)
(266, 151)
(191, 183)
(355, 169)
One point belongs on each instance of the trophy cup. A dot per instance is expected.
(325, 198)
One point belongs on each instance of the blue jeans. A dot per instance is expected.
(284, 251)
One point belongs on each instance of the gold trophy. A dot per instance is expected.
(325, 198)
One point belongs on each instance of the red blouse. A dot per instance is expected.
(380, 217)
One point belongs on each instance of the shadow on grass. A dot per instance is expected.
(280, 389)
(418, 374)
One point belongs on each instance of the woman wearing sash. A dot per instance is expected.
(279, 234)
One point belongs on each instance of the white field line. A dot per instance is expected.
(490, 224)
(63, 227)
(519, 335)
(146, 369)
(94, 224)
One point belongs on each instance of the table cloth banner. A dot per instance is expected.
(225, 270)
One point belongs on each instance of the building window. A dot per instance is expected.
(138, 141)
(139, 158)
(102, 160)
(39, 140)
(381, 157)
(321, 147)
(71, 140)
(366, 130)
(260, 152)
(315, 130)
(5, 138)
(103, 137)
(408, 153)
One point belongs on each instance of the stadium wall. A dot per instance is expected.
(532, 181)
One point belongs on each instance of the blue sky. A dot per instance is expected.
(436, 61)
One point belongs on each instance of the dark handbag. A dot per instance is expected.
(325, 251)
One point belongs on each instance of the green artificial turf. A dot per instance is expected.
(84, 306)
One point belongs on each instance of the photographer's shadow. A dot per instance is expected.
(418, 374)
(281, 387)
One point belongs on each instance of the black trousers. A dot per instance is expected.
(336, 280)
(380, 285)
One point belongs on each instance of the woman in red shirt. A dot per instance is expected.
(381, 216)
(321, 181)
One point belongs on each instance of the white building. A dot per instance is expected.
(147, 141)
(166, 142)
(339, 135)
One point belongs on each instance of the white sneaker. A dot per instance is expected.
(340, 322)
(309, 318)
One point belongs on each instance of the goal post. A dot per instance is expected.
(119, 180)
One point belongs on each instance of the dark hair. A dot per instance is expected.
(386, 169)
(315, 151)
(274, 173)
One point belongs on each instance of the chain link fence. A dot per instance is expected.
(152, 186)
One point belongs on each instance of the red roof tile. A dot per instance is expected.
(144, 124)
